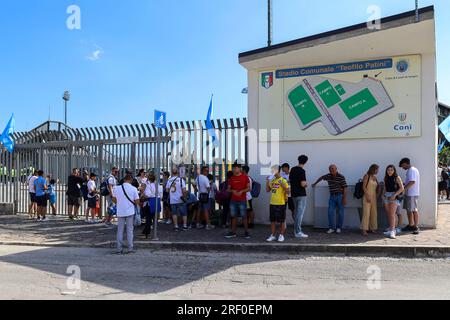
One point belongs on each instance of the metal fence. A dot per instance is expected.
(56, 149)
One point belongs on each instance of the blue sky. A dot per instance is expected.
(131, 57)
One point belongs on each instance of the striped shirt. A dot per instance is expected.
(337, 183)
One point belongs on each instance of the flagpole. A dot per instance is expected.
(417, 11)
(214, 146)
(269, 24)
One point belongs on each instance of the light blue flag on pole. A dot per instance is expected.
(5, 138)
(445, 128)
(210, 127)
(441, 146)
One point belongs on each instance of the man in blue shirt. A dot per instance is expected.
(40, 185)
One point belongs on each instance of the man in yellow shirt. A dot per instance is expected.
(279, 189)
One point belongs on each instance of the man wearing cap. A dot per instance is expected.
(92, 198)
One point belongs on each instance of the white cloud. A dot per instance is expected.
(96, 54)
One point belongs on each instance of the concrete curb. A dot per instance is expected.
(291, 249)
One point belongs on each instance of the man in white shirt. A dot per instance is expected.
(32, 191)
(151, 203)
(202, 187)
(412, 194)
(92, 198)
(112, 183)
(176, 187)
(127, 198)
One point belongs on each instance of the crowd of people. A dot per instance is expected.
(142, 197)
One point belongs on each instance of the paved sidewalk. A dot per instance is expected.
(59, 231)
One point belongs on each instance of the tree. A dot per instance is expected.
(444, 155)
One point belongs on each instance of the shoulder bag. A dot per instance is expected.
(137, 214)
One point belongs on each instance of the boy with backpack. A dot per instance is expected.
(52, 195)
(92, 198)
(106, 190)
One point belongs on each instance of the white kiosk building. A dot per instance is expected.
(351, 97)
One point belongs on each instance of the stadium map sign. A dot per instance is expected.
(367, 99)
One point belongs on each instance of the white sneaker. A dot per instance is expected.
(271, 238)
(392, 235)
(301, 235)
(387, 233)
(44, 219)
(330, 231)
(168, 222)
(280, 238)
(210, 227)
(338, 231)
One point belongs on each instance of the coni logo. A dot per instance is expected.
(403, 126)
(402, 117)
(402, 66)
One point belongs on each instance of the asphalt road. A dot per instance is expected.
(52, 273)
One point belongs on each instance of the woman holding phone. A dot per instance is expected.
(393, 188)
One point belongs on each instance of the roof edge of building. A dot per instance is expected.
(425, 13)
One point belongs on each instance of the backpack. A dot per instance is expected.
(222, 195)
(104, 190)
(256, 189)
(84, 190)
(359, 190)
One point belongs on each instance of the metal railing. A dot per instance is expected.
(56, 149)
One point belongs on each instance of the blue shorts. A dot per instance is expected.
(152, 206)
(238, 209)
(204, 206)
(388, 195)
(53, 199)
(179, 209)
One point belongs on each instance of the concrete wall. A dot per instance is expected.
(353, 157)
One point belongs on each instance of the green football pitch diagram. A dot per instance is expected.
(339, 105)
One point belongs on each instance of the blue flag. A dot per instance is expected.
(441, 146)
(5, 138)
(210, 127)
(445, 128)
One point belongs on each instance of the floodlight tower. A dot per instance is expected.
(66, 98)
